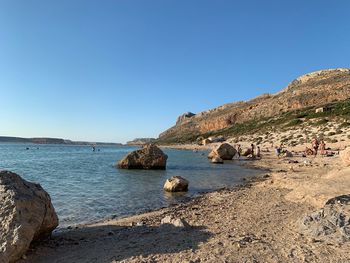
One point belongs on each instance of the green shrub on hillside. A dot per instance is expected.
(320, 122)
(344, 125)
(294, 122)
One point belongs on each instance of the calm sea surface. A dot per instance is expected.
(85, 186)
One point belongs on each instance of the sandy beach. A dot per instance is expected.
(259, 222)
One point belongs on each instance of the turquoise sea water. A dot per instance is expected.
(85, 186)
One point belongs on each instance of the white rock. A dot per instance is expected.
(176, 184)
(177, 222)
(26, 214)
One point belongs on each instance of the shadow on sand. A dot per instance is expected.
(110, 243)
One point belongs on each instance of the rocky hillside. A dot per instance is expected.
(313, 89)
(140, 141)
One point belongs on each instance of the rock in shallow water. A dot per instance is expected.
(149, 157)
(26, 214)
(217, 160)
(224, 151)
(176, 184)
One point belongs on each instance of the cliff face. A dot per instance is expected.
(312, 89)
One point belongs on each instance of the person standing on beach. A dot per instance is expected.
(258, 152)
(322, 147)
(239, 150)
(252, 148)
(315, 145)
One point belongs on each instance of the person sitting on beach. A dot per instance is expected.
(278, 151)
(308, 151)
(322, 147)
(315, 145)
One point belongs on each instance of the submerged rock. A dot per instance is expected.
(217, 160)
(149, 157)
(331, 223)
(224, 151)
(26, 214)
(176, 184)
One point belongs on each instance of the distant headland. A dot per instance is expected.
(43, 140)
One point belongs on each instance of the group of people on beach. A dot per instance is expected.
(315, 146)
(253, 151)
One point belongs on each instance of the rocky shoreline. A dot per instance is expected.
(261, 222)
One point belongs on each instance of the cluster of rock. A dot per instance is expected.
(223, 152)
(26, 214)
(149, 157)
(331, 223)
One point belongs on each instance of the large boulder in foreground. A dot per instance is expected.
(149, 157)
(330, 224)
(224, 151)
(176, 184)
(26, 214)
(345, 156)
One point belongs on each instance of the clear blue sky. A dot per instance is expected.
(114, 70)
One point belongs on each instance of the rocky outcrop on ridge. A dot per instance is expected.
(184, 118)
(26, 214)
(312, 89)
(149, 157)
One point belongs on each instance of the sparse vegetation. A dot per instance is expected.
(294, 122)
(344, 125)
(320, 122)
(339, 111)
(338, 131)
